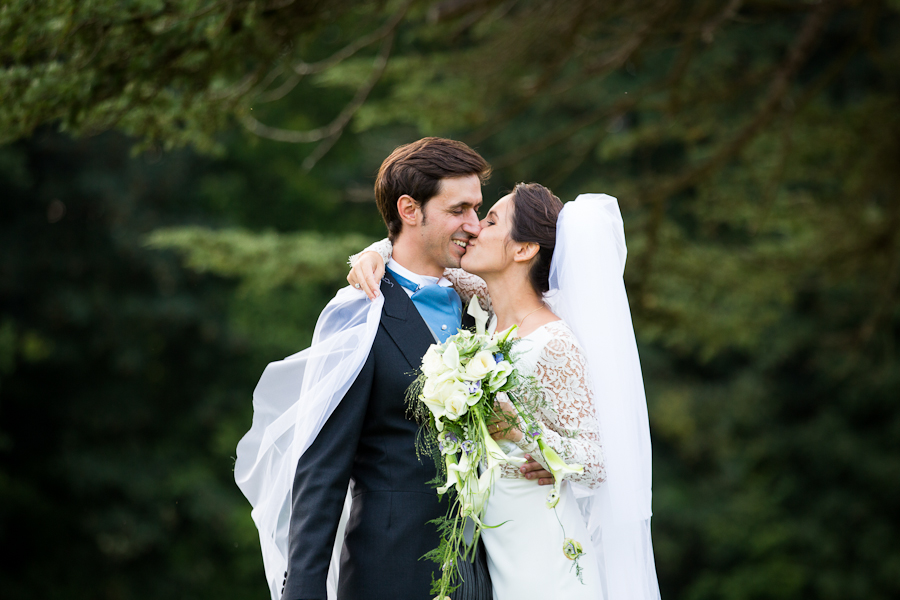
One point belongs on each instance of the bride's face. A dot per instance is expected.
(491, 251)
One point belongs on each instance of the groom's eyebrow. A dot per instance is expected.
(465, 204)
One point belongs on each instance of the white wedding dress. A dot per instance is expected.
(525, 553)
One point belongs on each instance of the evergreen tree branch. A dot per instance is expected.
(335, 128)
(565, 133)
(800, 50)
(712, 26)
(303, 68)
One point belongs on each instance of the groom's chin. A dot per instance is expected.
(454, 260)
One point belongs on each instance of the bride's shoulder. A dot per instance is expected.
(560, 327)
(560, 338)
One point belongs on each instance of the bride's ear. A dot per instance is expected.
(525, 252)
(408, 210)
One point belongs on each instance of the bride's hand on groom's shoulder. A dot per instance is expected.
(367, 273)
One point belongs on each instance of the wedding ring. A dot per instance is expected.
(356, 285)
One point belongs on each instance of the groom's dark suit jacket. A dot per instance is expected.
(369, 442)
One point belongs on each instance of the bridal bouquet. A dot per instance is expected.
(454, 397)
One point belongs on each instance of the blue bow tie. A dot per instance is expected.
(439, 306)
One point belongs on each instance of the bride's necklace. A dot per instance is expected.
(529, 314)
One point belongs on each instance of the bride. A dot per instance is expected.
(576, 338)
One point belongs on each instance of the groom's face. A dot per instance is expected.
(450, 220)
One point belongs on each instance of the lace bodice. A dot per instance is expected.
(568, 415)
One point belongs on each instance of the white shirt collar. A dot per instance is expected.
(419, 280)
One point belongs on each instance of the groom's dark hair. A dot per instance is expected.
(416, 170)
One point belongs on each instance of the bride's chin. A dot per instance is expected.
(470, 266)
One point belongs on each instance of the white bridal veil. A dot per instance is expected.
(291, 402)
(587, 291)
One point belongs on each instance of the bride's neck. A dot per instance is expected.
(513, 300)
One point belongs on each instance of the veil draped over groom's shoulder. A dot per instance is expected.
(291, 403)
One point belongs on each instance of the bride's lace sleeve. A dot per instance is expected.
(468, 285)
(569, 417)
(382, 247)
(465, 284)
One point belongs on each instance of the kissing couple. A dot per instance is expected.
(342, 500)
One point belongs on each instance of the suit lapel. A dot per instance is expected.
(403, 322)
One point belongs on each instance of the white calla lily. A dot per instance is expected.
(494, 454)
(559, 468)
(500, 375)
(452, 474)
(501, 336)
(477, 313)
(451, 357)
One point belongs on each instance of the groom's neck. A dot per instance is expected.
(413, 257)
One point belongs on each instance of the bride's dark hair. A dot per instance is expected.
(535, 210)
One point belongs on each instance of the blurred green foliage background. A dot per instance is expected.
(182, 181)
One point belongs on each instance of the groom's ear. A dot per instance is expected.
(408, 209)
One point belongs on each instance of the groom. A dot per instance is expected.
(428, 193)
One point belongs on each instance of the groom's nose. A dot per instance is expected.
(472, 225)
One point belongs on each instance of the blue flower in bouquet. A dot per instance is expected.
(553, 498)
(572, 548)
(448, 442)
(474, 390)
(468, 446)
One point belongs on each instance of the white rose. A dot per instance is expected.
(480, 365)
(430, 385)
(456, 406)
(429, 390)
(446, 397)
(432, 362)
